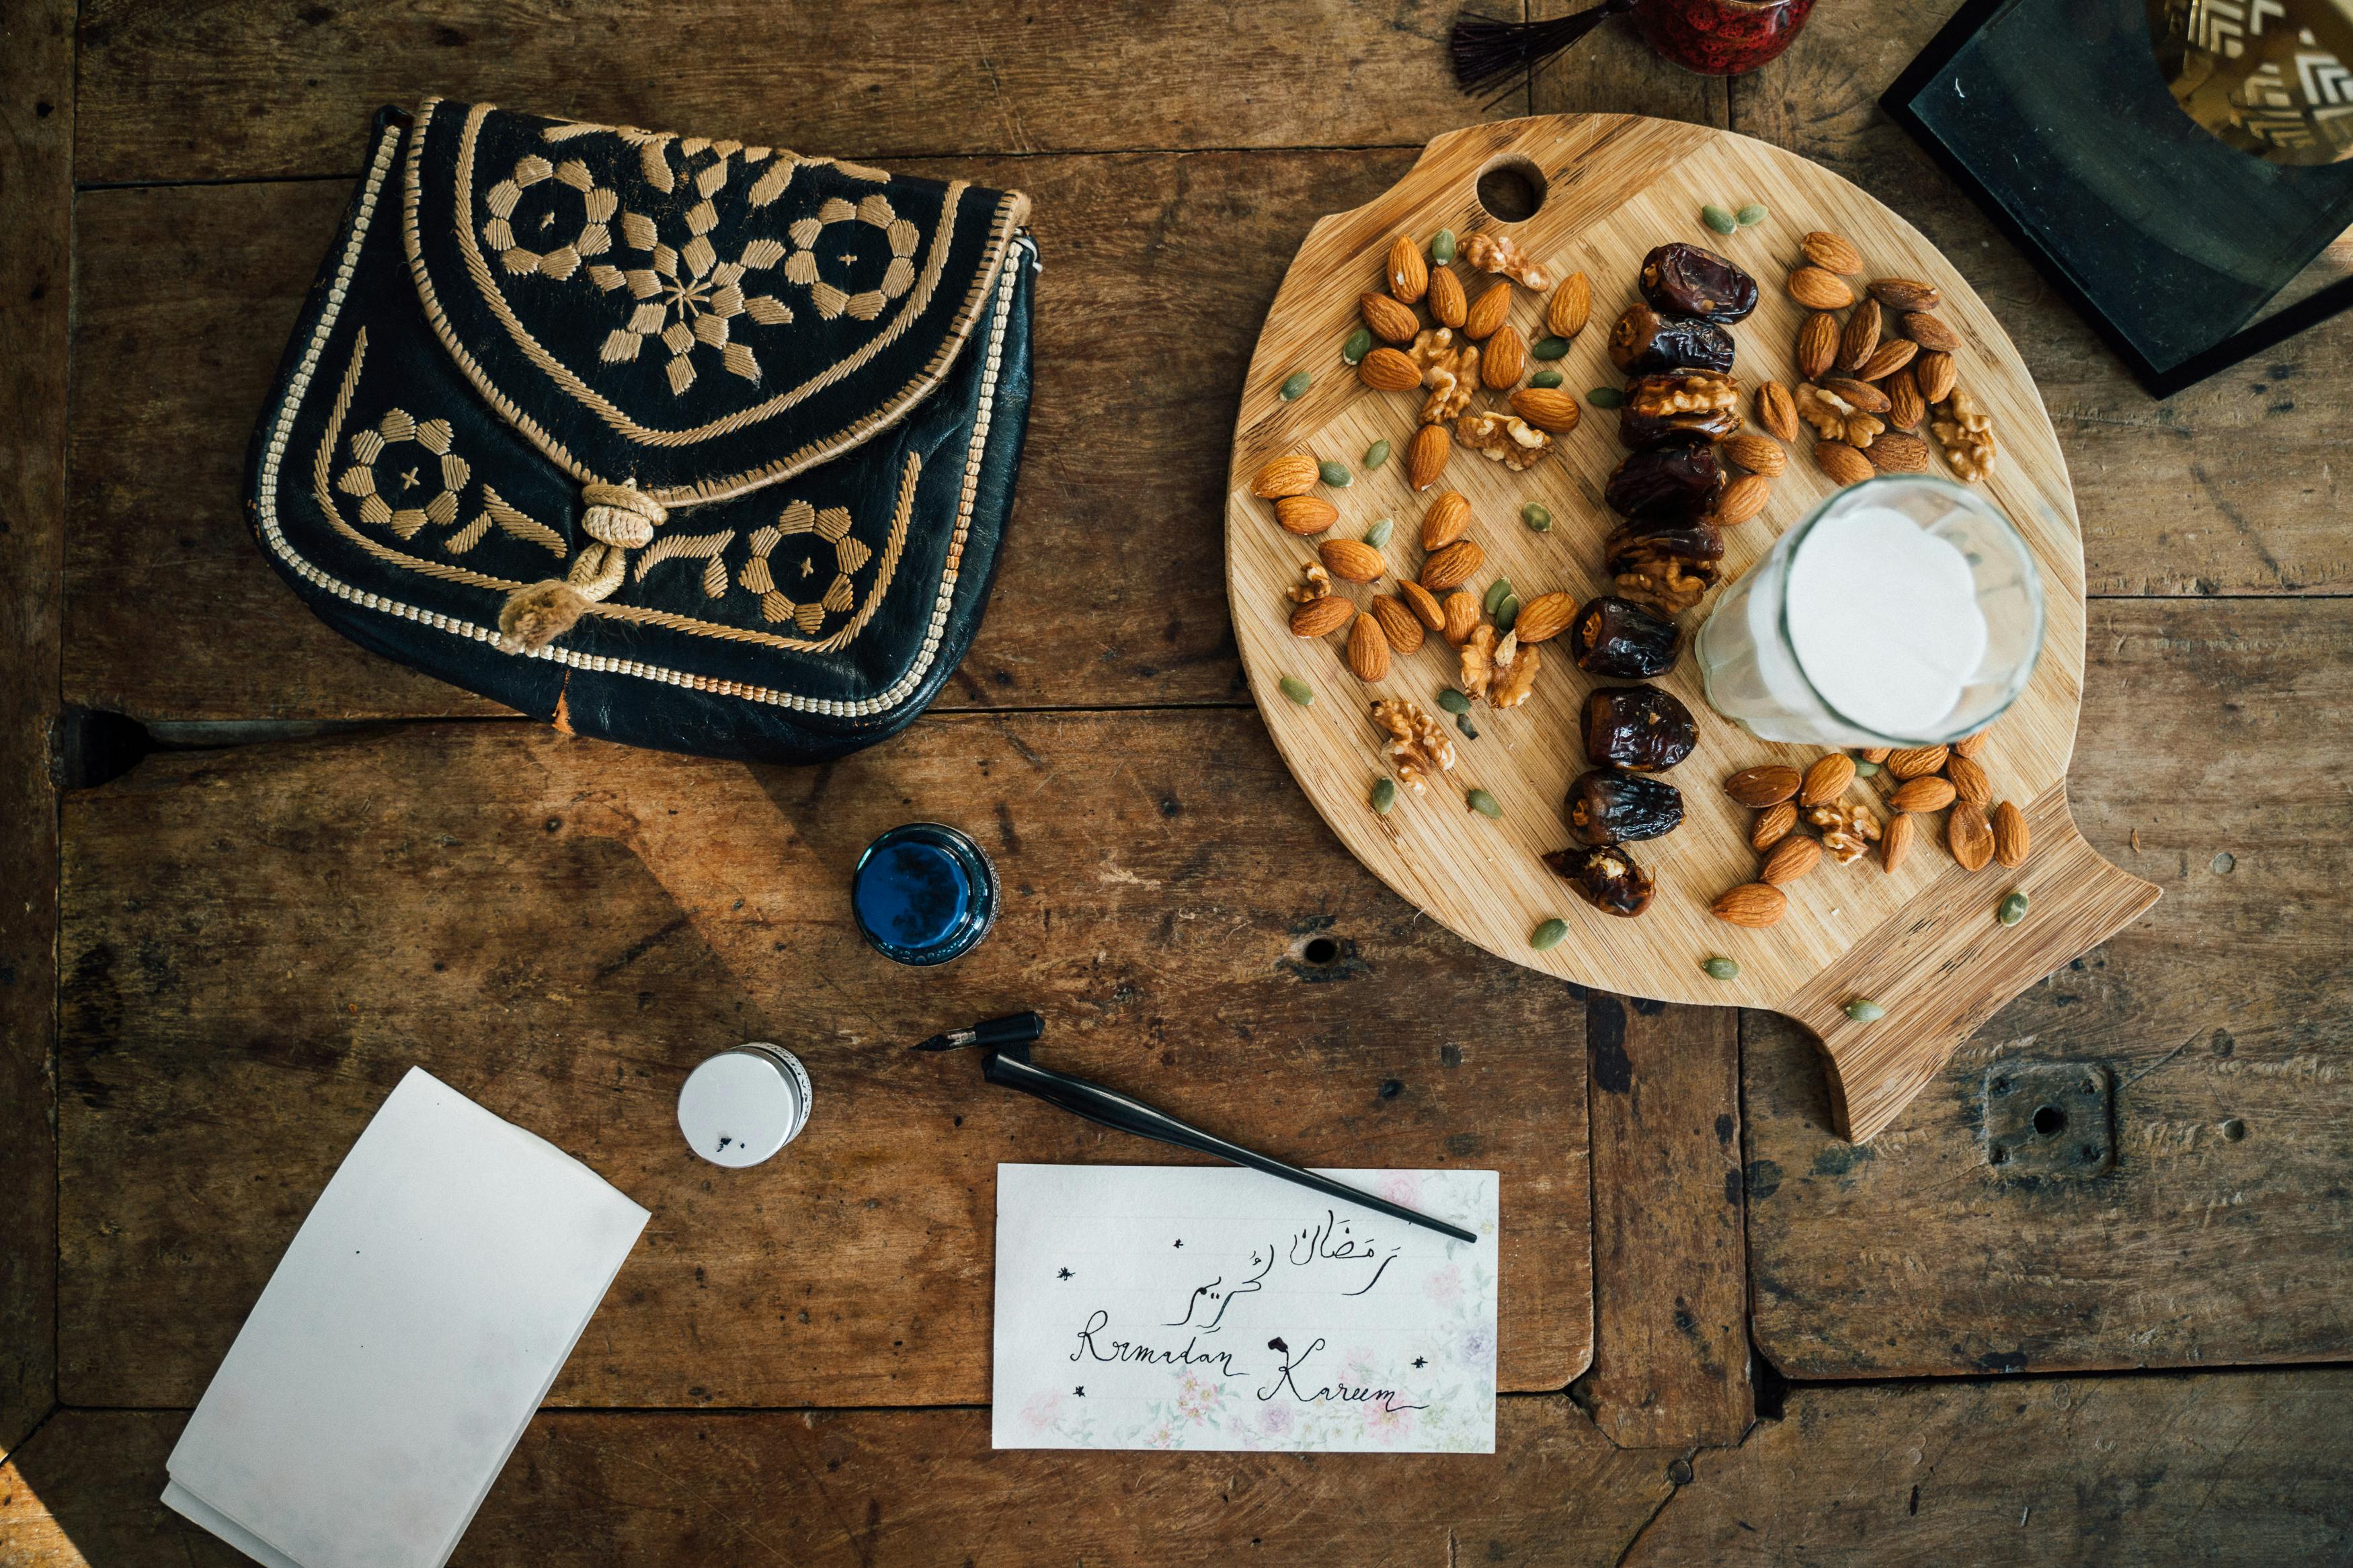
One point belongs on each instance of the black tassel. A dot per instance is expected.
(1486, 50)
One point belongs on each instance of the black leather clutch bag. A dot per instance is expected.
(672, 440)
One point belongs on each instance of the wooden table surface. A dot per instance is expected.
(254, 873)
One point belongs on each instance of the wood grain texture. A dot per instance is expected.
(1621, 186)
(882, 1488)
(276, 88)
(2220, 1236)
(1669, 1258)
(2233, 487)
(259, 943)
(36, 272)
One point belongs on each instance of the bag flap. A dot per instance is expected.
(698, 318)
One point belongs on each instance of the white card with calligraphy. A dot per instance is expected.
(1184, 1307)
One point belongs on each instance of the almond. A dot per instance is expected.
(1894, 452)
(1368, 649)
(1487, 312)
(1353, 559)
(1742, 500)
(1770, 784)
(1831, 254)
(1322, 618)
(1446, 300)
(1791, 859)
(1389, 320)
(1448, 519)
(1409, 274)
(1894, 843)
(1826, 780)
(1970, 780)
(1905, 406)
(1572, 307)
(1754, 904)
(1915, 761)
(1842, 462)
(1292, 474)
(1756, 454)
(2009, 835)
(1450, 567)
(1971, 746)
(1817, 290)
(1423, 604)
(1777, 411)
(1506, 356)
(1461, 616)
(1876, 753)
(1405, 633)
(1817, 346)
(1387, 370)
(1305, 515)
(1887, 359)
(1773, 824)
(1926, 794)
(1861, 394)
(1860, 338)
(1426, 455)
(1968, 838)
(1936, 375)
(1930, 332)
(1544, 618)
(1547, 409)
(1905, 294)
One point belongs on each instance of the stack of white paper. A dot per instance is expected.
(407, 1335)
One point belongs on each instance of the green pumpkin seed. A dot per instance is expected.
(1716, 219)
(1548, 935)
(1536, 518)
(1866, 770)
(1376, 455)
(2012, 910)
(1337, 475)
(1606, 397)
(1497, 591)
(1863, 1010)
(1441, 246)
(1296, 388)
(1485, 805)
(1507, 614)
(1384, 797)
(1720, 968)
(1359, 344)
(1548, 348)
(1378, 534)
(1463, 724)
(1453, 702)
(1546, 378)
(1754, 213)
(1298, 690)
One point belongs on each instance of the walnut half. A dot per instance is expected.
(1450, 372)
(1965, 430)
(1497, 254)
(1499, 670)
(1506, 438)
(1418, 748)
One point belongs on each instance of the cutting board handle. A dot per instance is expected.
(1944, 965)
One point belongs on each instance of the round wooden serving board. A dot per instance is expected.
(1924, 942)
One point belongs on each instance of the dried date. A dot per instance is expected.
(1644, 342)
(1639, 728)
(1679, 406)
(1606, 806)
(1681, 478)
(1606, 878)
(1617, 637)
(1684, 281)
(1666, 568)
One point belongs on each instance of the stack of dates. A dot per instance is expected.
(1663, 558)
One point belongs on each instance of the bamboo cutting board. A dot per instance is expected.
(1923, 943)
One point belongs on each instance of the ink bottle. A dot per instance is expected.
(923, 893)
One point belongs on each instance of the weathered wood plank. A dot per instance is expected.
(259, 943)
(2210, 739)
(878, 1489)
(36, 117)
(273, 88)
(1670, 1260)
(2252, 1468)
(2233, 486)
(1613, 71)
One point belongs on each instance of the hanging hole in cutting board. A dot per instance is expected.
(1511, 190)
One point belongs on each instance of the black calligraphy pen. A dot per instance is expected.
(1006, 1063)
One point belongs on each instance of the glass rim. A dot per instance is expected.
(1969, 498)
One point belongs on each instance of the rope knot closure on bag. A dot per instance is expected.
(617, 520)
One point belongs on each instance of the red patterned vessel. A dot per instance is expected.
(1721, 38)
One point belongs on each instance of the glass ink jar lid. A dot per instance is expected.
(923, 893)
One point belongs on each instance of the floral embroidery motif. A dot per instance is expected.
(505, 200)
(419, 502)
(866, 304)
(830, 526)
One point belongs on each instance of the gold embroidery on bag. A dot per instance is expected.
(801, 266)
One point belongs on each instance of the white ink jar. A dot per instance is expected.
(742, 1105)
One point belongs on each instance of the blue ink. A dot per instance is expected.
(923, 893)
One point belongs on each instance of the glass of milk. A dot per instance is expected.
(1901, 611)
